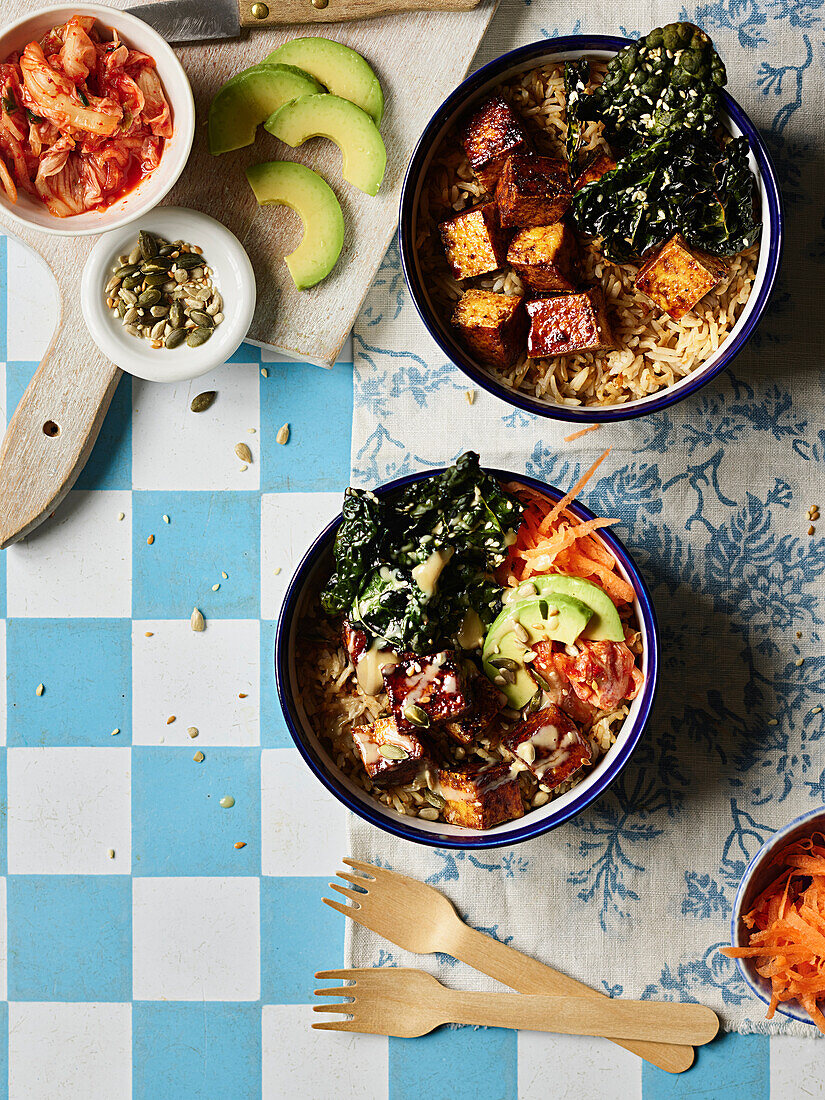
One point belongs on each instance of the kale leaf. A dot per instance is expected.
(576, 77)
(682, 183)
(462, 513)
(669, 80)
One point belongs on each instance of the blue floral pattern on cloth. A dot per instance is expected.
(712, 497)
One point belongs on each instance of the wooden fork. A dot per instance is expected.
(407, 1003)
(419, 919)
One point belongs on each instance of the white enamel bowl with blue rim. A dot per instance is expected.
(756, 878)
(474, 89)
(313, 572)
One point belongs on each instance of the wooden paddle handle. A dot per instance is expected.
(52, 433)
(262, 13)
(656, 1021)
(511, 968)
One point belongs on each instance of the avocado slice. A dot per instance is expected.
(352, 130)
(281, 182)
(338, 68)
(250, 98)
(533, 615)
(605, 624)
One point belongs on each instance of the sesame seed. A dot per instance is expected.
(39, 689)
(225, 576)
(115, 732)
(276, 570)
(215, 587)
(121, 515)
(799, 661)
(165, 519)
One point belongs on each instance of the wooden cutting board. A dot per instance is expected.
(74, 384)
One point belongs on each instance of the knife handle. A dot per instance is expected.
(53, 430)
(262, 13)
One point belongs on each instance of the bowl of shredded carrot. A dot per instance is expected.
(778, 924)
(97, 119)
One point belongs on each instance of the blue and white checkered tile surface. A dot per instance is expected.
(182, 967)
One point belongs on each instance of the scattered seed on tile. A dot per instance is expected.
(773, 722)
(165, 519)
(252, 431)
(276, 570)
(470, 395)
(264, 372)
(799, 661)
(243, 695)
(111, 853)
(816, 710)
(170, 719)
(115, 732)
(243, 452)
(193, 731)
(243, 469)
(198, 758)
(39, 689)
(148, 634)
(150, 540)
(121, 515)
(799, 633)
(227, 802)
(197, 621)
(283, 434)
(240, 843)
(215, 587)
(225, 576)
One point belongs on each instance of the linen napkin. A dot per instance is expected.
(634, 895)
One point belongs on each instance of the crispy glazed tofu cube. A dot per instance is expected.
(480, 797)
(678, 276)
(390, 756)
(546, 257)
(599, 166)
(532, 191)
(550, 745)
(493, 133)
(355, 642)
(474, 241)
(568, 323)
(425, 690)
(480, 714)
(494, 326)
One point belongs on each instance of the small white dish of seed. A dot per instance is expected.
(169, 298)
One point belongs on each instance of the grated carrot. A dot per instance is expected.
(579, 434)
(787, 923)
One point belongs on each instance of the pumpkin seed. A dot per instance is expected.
(201, 318)
(241, 450)
(126, 269)
(156, 280)
(393, 752)
(149, 297)
(147, 244)
(175, 337)
(416, 715)
(188, 261)
(203, 401)
(176, 317)
(167, 249)
(434, 799)
(132, 281)
(196, 620)
(198, 336)
(504, 662)
(156, 266)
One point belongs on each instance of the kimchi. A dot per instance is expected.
(83, 119)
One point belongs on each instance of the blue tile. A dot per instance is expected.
(69, 937)
(477, 1062)
(317, 405)
(110, 463)
(246, 353)
(732, 1067)
(274, 734)
(299, 935)
(209, 532)
(184, 1051)
(178, 824)
(4, 282)
(86, 667)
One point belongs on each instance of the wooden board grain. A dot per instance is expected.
(74, 384)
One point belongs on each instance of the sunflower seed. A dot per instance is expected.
(218, 318)
(192, 303)
(243, 452)
(156, 331)
(175, 337)
(130, 316)
(147, 244)
(393, 752)
(196, 620)
(180, 276)
(134, 256)
(159, 311)
(113, 284)
(527, 751)
(198, 336)
(283, 434)
(429, 813)
(203, 401)
(133, 330)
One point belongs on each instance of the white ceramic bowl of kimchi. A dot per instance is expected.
(149, 145)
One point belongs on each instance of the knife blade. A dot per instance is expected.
(191, 20)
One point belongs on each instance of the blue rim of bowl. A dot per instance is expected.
(773, 842)
(588, 413)
(472, 842)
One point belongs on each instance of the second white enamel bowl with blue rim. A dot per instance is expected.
(314, 571)
(472, 91)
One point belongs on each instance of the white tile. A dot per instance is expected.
(174, 448)
(289, 523)
(32, 304)
(303, 828)
(66, 808)
(70, 1051)
(275, 355)
(78, 564)
(196, 939)
(592, 1067)
(198, 678)
(2, 681)
(3, 942)
(298, 1061)
(797, 1068)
